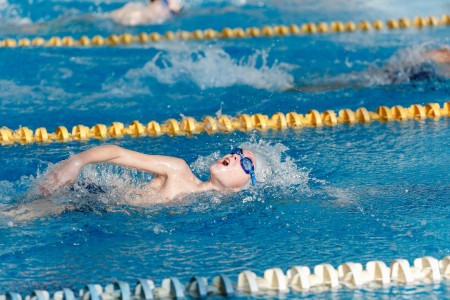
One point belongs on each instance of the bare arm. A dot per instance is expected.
(67, 171)
(157, 164)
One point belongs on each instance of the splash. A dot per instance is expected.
(404, 66)
(286, 176)
(99, 189)
(29, 98)
(285, 171)
(211, 67)
(202, 164)
(25, 98)
(10, 14)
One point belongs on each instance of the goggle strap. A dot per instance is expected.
(253, 178)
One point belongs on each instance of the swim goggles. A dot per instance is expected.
(246, 164)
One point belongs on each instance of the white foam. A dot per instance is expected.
(395, 70)
(202, 164)
(400, 63)
(213, 67)
(10, 15)
(26, 98)
(99, 188)
(285, 170)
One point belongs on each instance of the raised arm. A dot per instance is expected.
(67, 171)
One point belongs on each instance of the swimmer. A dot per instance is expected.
(138, 13)
(174, 179)
(441, 56)
(427, 65)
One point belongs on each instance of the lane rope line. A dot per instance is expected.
(224, 123)
(350, 275)
(228, 33)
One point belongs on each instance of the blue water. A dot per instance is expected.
(348, 193)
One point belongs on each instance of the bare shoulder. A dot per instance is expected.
(181, 165)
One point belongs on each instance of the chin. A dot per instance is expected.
(212, 169)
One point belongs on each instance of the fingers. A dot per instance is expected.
(50, 184)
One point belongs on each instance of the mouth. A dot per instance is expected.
(225, 161)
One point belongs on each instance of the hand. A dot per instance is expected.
(64, 173)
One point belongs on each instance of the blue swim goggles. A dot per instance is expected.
(246, 164)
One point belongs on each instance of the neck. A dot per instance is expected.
(213, 185)
(205, 186)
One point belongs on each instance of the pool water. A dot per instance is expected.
(377, 191)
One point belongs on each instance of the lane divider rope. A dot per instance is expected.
(224, 123)
(351, 275)
(228, 33)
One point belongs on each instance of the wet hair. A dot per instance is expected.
(417, 72)
(262, 167)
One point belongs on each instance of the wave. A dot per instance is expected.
(11, 13)
(212, 67)
(404, 66)
(400, 68)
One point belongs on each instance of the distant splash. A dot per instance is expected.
(15, 97)
(213, 67)
(398, 68)
(29, 98)
(406, 65)
(11, 14)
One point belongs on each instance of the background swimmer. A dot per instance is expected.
(174, 178)
(138, 13)
(421, 66)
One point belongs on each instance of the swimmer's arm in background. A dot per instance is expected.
(440, 56)
(67, 171)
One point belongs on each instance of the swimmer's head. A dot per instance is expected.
(239, 170)
(175, 6)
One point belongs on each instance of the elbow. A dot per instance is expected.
(117, 152)
(109, 148)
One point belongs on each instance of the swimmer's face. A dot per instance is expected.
(228, 173)
(174, 6)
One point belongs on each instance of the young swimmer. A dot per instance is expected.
(236, 171)
(174, 179)
(138, 13)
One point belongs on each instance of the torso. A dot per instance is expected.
(165, 188)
